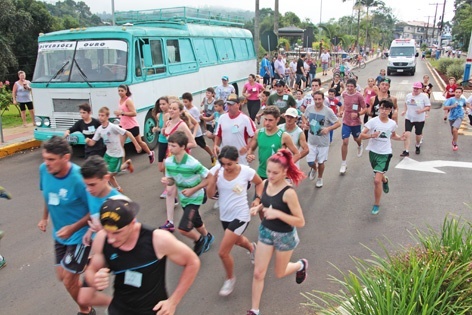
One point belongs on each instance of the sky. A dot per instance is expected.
(405, 10)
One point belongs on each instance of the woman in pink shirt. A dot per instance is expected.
(251, 91)
(371, 90)
(127, 113)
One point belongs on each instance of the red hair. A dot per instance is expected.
(284, 158)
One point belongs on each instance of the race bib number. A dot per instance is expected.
(355, 107)
(133, 278)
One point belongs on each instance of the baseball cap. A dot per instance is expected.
(225, 77)
(386, 80)
(232, 99)
(117, 212)
(280, 83)
(291, 112)
(418, 85)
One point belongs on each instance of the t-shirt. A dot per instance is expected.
(279, 67)
(268, 146)
(235, 131)
(300, 66)
(265, 72)
(413, 103)
(232, 198)
(283, 102)
(253, 90)
(382, 144)
(208, 109)
(317, 120)
(95, 203)
(458, 111)
(66, 200)
(353, 103)
(308, 100)
(293, 66)
(111, 136)
(334, 104)
(325, 57)
(295, 135)
(187, 173)
(450, 89)
(195, 114)
(222, 92)
(88, 130)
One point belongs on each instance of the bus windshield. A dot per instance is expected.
(406, 51)
(81, 61)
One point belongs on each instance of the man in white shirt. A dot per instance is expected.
(279, 68)
(325, 57)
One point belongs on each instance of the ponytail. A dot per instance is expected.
(284, 158)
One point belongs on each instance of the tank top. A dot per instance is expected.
(22, 95)
(276, 202)
(375, 108)
(174, 129)
(162, 138)
(368, 96)
(148, 271)
(268, 145)
(337, 87)
(127, 122)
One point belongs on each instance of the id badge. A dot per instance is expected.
(254, 89)
(235, 129)
(285, 97)
(355, 106)
(91, 129)
(53, 199)
(133, 278)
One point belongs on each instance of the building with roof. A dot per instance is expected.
(421, 32)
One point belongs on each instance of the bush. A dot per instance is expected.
(430, 278)
(444, 63)
(5, 96)
(455, 70)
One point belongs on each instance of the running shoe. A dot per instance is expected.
(405, 153)
(152, 157)
(92, 312)
(360, 150)
(375, 209)
(120, 190)
(228, 287)
(216, 196)
(209, 239)
(216, 205)
(199, 245)
(168, 226)
(3, 262)
(319, 183)
(343, 169)
(250, 312)
(129, 166)
(385, 187)
(417, 150)
(300, 276)
(312, 173)
(176, 202)
(4, 194)
(2, 234)
(455, 147)
(164, 194)
(252, 255)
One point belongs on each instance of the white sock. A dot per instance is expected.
(255, 311)
(303, 265)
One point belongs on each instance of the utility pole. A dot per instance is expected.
(276, 18)
(427, 28)
(434, 23)
(113, 13)
(442, 23)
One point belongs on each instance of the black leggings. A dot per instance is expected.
(253, 108)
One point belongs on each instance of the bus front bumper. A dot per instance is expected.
(44, 134)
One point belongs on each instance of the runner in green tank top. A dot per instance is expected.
(270, 139)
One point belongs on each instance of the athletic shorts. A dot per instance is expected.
(282, 241)
(191, 218)
(346, 131)
(417, 124)
(317, 154)
(134, 131)
(210, 128)
(456, 123)
(114, 163)
(24, 105)
(200, 142)
(161, 151)
(379, 162)
(236, 226)
(72, 258)
(324, 66)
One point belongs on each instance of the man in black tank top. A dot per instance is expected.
(137, 255)
(384, 92)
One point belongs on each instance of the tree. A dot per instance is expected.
(462, 26)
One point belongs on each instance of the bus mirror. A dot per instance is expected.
(147, 55)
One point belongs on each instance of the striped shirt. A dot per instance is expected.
(187, 173)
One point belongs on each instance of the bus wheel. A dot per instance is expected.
(148, 136)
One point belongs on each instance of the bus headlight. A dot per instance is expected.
(116, 121)
(46, 122)
(38, 121)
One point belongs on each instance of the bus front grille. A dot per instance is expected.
(63, 123)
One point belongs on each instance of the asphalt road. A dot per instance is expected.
(338, 222)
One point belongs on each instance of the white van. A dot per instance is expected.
(402, 56)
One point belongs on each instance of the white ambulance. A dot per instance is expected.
(402, 56)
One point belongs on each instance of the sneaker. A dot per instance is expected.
(385, 187)
(120, 190)
(375, 209)
(300, 276)
(92, 312)
(209, 239)
(164, 194)
(312, 173)
(176, 202)
(4, 194)
(168, 226)
(360, 150)
(199, 245)
(216, 205)
(417, 150)
(250, 312)
(421, 140)
(3, 262)
(455, 147)
(129, 166)
(228, 287)
(252, 255)
(343, 169)
(405, 153)
(216, 196)
(152, 157)
(319, 183)
(213, 160)
(2, 234)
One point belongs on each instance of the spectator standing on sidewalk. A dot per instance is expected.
(21, 95)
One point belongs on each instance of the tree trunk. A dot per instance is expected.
(276, 18)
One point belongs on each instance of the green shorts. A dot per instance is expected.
(379, 162)
(114, 163)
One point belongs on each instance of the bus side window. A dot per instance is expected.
(137, 60)
(157, 58)
(173, 53)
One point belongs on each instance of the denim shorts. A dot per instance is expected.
(282, 241)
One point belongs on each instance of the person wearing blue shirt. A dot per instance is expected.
(266, 71)
(455, 105)
(66, 203)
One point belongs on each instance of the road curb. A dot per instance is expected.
(20, 146)
(436, 76)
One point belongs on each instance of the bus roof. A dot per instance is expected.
(164, 29)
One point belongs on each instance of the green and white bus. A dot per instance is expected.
(155, 52)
